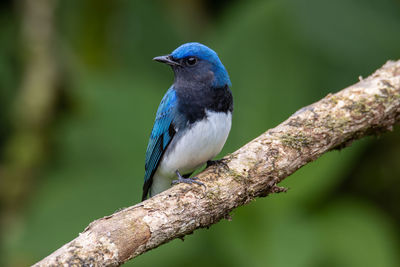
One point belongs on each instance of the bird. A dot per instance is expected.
(193, 120)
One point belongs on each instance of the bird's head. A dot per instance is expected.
(196, 63)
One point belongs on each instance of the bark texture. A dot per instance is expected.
(369, 107)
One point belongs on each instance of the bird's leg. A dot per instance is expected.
(181, 179)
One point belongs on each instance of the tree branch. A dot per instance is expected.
(369, 107)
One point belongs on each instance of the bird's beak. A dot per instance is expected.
(167, 59)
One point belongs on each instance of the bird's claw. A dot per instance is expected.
(188, 181)
(222, 161)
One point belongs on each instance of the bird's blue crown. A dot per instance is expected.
(203, 52)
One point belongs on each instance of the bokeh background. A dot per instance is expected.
(78, 95)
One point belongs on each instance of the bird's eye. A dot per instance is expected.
(191, 61)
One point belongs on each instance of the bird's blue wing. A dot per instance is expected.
(160, 137)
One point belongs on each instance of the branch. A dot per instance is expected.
(369, 107)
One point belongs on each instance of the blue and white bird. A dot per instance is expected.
(193, 119)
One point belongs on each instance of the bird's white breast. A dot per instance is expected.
(194, 147)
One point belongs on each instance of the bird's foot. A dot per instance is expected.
(181, 179)
(187, 181)
(222, 162)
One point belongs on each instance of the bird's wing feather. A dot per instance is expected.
(160, 137)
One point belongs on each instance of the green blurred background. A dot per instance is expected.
(78, 95)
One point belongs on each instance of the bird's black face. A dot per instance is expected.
(190, 69)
